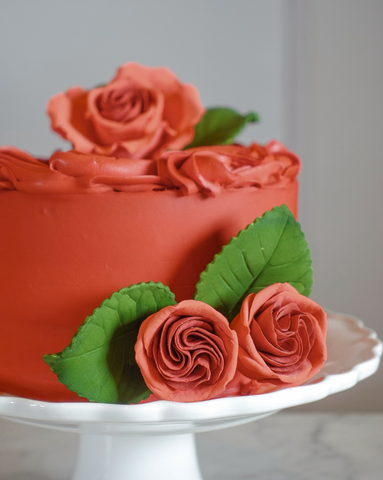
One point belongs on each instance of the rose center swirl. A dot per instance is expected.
(123, 104)
(189, 351)
(283, 338)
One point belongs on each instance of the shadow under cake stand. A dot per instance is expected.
(156, 440)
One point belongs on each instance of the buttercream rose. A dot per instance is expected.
(140, 113)
(214, 168)
(187, 352)
(282, 339)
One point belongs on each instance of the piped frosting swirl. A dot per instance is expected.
(204, 169)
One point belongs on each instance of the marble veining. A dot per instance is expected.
(285, 446)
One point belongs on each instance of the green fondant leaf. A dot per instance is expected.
(270, 250)
(219, 126)
(99, 364)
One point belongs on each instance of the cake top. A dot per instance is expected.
(145, 130)
(208, 170)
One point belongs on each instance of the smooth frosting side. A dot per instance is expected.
(62, 255)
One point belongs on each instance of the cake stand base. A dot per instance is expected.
(163, 457)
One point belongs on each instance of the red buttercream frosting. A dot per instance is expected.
(212, 169)
(209, 170)
(79, 227)
(140, 113)
(282, 340)
(73, 172)
(187, 352)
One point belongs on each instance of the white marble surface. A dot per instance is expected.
(285, 446)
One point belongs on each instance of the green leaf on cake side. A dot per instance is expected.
(99, 364)
(270, 250)
(220, 126)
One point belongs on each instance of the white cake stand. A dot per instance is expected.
(156, 440)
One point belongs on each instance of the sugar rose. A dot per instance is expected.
(214, 168)
(281, 336)
(187, 352)
(140, 113)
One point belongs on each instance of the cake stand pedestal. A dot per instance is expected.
(167, 457)
(156, 440)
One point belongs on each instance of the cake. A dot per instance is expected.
(152, 202)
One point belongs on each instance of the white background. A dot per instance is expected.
(313, 69)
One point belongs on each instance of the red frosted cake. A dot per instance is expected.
(119, 211)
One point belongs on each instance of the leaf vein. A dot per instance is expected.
(246, 263)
